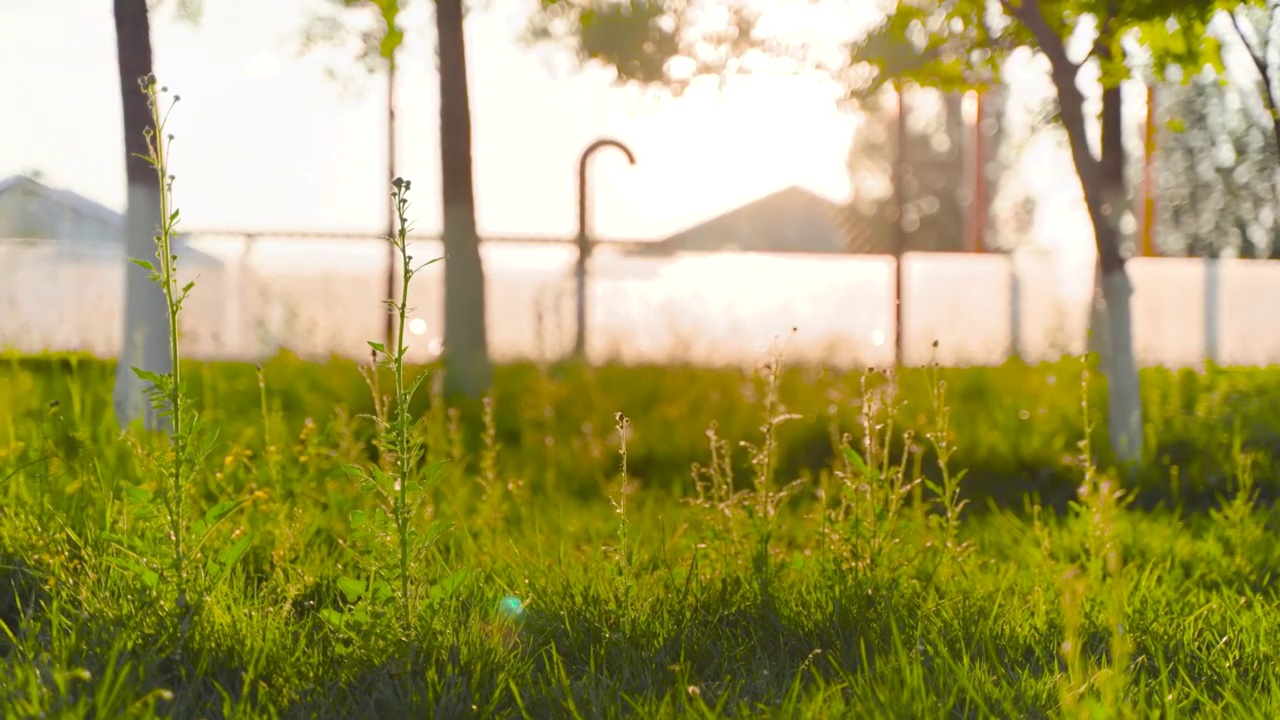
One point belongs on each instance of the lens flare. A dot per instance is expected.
(511, 606)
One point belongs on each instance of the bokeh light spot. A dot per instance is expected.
(511, 606)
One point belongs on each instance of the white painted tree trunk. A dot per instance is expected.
(145, 343)
(1124, 398)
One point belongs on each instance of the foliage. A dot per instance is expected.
(857, 608)
(672, 43)
(1216, 179)
(1255, 25)
(346, 22)
(936, 178)
(397, 484)
(189, 441)
(960, 43)
(951, 45)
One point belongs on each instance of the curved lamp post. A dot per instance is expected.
(584, 241)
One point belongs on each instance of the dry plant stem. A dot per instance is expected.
(489, 466)
(620, 506)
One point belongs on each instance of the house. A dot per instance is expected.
(796, 220)
(62, 263)
(791, 220)
(32, 210)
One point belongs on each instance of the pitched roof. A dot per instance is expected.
(90, 208)
(793, 219)
(68, 198)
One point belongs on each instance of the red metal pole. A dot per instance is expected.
(979, 180)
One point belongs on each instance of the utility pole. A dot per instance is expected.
(389, 330)
(1148, 177)
(899, 234)
(979, 176)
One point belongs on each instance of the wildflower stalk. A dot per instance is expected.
(393, 479)
(168, 391)
(402, 421)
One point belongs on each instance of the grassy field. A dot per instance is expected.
(801, 543)
(303, 540)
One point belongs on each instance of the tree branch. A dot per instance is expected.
(1028, 13)
(1259, 61)
(1071, 107)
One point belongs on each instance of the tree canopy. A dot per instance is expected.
(952, 44)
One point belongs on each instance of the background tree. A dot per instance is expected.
(468, 371)
(467, 367)
(145, 332)
(1255, 25)
(938, 179)
(958, 44)
(956, 38)
(145, 341)
(1215, 173)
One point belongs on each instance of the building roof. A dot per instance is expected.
(64, 197)
(792, 219)
(89, 208)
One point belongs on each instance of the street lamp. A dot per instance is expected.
(584, 241)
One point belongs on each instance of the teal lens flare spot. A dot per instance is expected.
(511, 606)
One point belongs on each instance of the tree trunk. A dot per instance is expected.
(1111, 170)
(145, 342)
(466, 351)
(1124, 398)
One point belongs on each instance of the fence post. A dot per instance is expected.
(1015, 309)
(1212, 309)
(244, 274)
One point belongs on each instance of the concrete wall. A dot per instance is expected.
(318, 300)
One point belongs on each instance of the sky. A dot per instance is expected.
(267, 140)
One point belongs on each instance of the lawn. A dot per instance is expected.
(640, 542)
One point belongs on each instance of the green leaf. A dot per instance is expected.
(378, 346)
(154, 378)
(231, 555)
(359, 518)
(137, 495)
(392, 36)
(382, 591)
(449, 586)
(221, 510)
(149, 577)
(436, 468)
(144, 264)
(334, 618)
(352, 588)
(428, 263)
(856, 460)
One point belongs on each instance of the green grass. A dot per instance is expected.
(790, 578)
